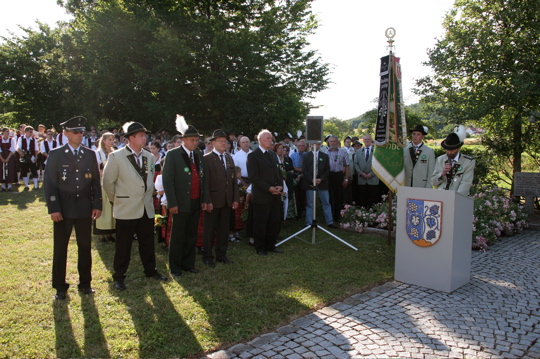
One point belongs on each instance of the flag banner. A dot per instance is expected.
(387, 164)
(398, 127)
(381, 127)
(391, 127)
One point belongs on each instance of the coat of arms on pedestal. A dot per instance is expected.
(424, 219)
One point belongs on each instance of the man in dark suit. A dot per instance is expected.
(267, 188)
(223, 195)
(322, 170)
(128, 180)
(73, 195)
(184, 181)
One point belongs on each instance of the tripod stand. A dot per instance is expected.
(314, 226)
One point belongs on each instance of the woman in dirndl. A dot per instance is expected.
(8, 174)
(105, 226)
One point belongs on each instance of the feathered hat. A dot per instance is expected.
(185, 129)
(419, 128)
(131, 128)
(455, 139)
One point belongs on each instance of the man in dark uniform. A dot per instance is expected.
(184, 181)
(223, 195)
(73, 195)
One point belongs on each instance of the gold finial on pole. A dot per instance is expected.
(390, 33)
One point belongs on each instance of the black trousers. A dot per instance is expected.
(62, 232)
(267, 224)
(300, 200)
(216, 224)
(125, 229)
(369, 195)
(29, 167)
(335, 187)
(183, 238)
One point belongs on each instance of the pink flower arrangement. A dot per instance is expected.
(495, 215)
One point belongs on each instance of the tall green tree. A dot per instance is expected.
(28, 66)
(486, 71)
(239, 65)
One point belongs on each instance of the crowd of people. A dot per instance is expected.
(116, 181)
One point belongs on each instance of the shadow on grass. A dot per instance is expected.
(95, 345)
(66, 346)
(161, 331)
(268, 292)
(220, 306)
(20, 198)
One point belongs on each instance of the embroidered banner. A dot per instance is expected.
(381, 127)
(391, 127)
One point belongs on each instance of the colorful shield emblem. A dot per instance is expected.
(424, 221)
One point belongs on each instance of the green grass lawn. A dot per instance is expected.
(197, 313)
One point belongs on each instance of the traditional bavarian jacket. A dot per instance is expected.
(418, 165)
(459, 179)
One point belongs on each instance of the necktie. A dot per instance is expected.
(223, 163)
(75, 152)
(367, 154)
(315, 157)
(191, 157)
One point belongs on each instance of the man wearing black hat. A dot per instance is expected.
(73, 195)
(223, 195)
(287, 142)
(453, 171)
(128, 180)
(184, 181)
(419, 160)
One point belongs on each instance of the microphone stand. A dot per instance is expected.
(314, 226)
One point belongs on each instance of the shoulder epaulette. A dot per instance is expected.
(145, 149)
(468, 157)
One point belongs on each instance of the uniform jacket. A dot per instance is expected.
(323, 170)
(419, 174)
(176, 175)
(462, 181)
(129, 187)
(264, 172)
(363, 166)
(72, 183)
(223, 187)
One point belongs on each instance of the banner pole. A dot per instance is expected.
(390, 218)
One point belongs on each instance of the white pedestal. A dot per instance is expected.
(446, 264)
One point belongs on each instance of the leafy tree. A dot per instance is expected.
(27, 89)
(486, 71)
(232, 64)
